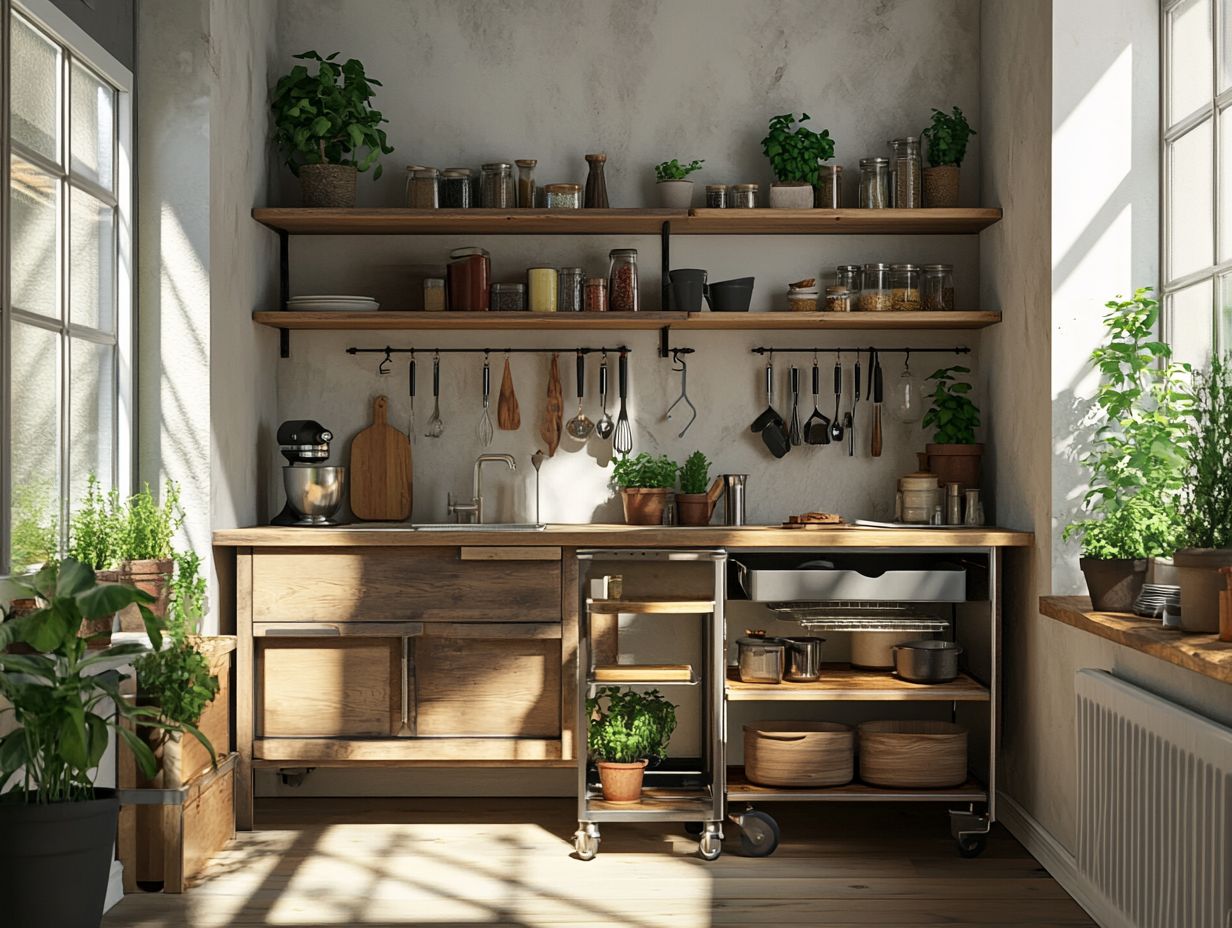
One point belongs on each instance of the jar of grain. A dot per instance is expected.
(508, 297)
(743, 196)
(829, 193)
(716, 196)
(569, 290)
(874, 183)
(802, 299)
(434, 294)
(907, 173)
(594, 299)
(422, 191)
(622, 280)
(905, 287)
(456, 184)
(875, 296)
(467, 276)
(541, 289)
(938, 288)
(562, 196)
(526, 182)
(496, 190)
(838, 299)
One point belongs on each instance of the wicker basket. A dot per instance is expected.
(799, 753)
(913, 754)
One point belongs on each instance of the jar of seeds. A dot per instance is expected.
(526, 182)
(829, 194)
(905, 287)
(907, 173)
(716, 196)
(622, 280)
(874, 183)
(422, 191)
(456, 188)
(875, 295)
(594, 300)
(743, 196)
(496, 190)
(562, 196)
(569, 289)
(508, 297)
(938, 288)
(838, 299)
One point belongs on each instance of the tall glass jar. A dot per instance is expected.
(743, 196)
(622, 280)
(562, 196)
(875, 295)
(569, 290)
(905, 287)
(596, 182)
(907, 173)
(716, 196)
(848, 275)
(496, 186)
(526, 182)
(456, 188)
(829, 194)
(874, 183)
(466, 279)
(938, 288)
(541, 289)
(595, 298)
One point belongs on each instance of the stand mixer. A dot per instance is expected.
(314, 491)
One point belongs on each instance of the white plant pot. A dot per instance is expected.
(675, 194)
(791, 196)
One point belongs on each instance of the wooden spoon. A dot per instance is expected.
(508, 416)
(553, 413)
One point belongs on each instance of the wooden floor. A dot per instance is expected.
(459, 863)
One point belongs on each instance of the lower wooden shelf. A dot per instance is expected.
(664, 606)
(331, 752)
(843, 683)
(655, 802)
(739, 788)
(644, 673)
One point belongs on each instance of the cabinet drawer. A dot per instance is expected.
(384, 584)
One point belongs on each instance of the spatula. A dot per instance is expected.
(817, 426)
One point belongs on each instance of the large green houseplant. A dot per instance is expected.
(327, 129)
(795, 155)
(947, 136)
(1136, 456)
(628, 730)
(953, 455)
(644, 483)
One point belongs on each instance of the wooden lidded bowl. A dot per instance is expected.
(799, 753)
(913, 754)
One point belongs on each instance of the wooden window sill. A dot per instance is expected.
(1204, 654)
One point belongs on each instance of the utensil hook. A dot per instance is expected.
(683, 368)
(383, 367)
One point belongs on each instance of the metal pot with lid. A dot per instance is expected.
(760, 659)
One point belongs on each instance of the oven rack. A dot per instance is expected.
(848, 616)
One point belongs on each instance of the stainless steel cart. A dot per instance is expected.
(686, 790)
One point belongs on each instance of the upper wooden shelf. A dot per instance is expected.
(395, 221)
(842, 682)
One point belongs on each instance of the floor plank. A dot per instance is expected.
(489, 862)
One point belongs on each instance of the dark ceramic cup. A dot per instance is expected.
(687, 286)
(730, 296)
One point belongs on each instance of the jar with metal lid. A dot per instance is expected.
(848, 275)
(541, 289)
(875, 296)
(508, 297)
(905, 287)
(743, 196)
(716, 196)
(456, 188)
(907, 173)
(937, 289)
(422, 191)
(622, 280)
(466, 279)
(434, 294)
(569, 289)
(838, 299)
(562, 196)
(496, 190)
(526, 182)
(594, 299)
(874, 183)
(829, 194)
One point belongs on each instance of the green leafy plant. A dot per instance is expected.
(644, 471)
(674, 170)
(1206, 499)
(953, 413)
(95, 528)
(62, 706)
(695, 474)
(1138, 458)
(326, 117)
(148, 527)
(947, 138)
(795, 156)
(187, 590)
(627, 726)
(35, 536)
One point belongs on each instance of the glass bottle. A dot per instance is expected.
(562, 196)
(829, 193)
(938, 288)
(496, 186)
(596, 182)
(569, 290)
(874, 183)
(875, 295)
(905, 287)
(622, 292)
(526, 182)
(541, 289)
(595, 298)
(907, 173)
(975, 508)
(456, 188)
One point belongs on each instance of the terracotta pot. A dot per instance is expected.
(621, 782)
(955, 463)
(149, 576)
(941, 186)
(328, 185)
(791, 196)
(1201, 583)
(644, 505)
(693, 509)
(675, 194)
(1114, 583)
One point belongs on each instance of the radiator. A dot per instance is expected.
(1154, 806)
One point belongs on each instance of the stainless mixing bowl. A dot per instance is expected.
(314, 493)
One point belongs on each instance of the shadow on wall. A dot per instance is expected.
(1072, 419)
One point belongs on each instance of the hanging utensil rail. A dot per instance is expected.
(767, 349)
(388, 350)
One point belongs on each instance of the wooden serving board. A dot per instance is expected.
(381, 470)
(623, 673)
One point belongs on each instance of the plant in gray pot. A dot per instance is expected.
(671, 179)
(1206, 500)
(947, 146)
(64, 702)
(1137, 456)
(327, 129)
(795, 156)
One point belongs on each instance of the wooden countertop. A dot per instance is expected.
(607, 536)
(1204, 654)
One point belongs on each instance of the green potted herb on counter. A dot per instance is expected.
(697, 497)
(795, 157)
(947, 146)
(953, 454)
(644, 483)
(675, 190)
(628, 730)
(327, 129)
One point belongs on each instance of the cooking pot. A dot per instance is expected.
(803, 659)
(760, 659)
(927, 661)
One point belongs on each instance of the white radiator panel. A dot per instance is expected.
(1154, 806)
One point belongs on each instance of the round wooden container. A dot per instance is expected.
(913, 754)
(799, 753)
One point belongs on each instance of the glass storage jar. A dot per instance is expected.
(456, 188)
(938, 288)
(802, 299)
(874, 183)
(829, 193)
(905, 287)
(509, 297)
(906, 169)
(875, 296)
(562, 196)
(848, 275)
(622, 280)
(496, 190)
(541, 289)
(716, 196)
(743, 196)
(467, 276)
(569, 289)
(434, 294)
(422, 191)
(595, 298)
(838, 299)
(526, 182)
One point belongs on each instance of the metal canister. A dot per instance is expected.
(803, 659)
(733, 498)
(760, 659)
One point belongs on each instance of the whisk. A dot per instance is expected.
(622, 440)
(485, 421)
(436, 427)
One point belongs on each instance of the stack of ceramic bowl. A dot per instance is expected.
(1158, 600)
(332, 303)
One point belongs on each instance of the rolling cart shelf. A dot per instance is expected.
(740, 789)
(657, 804)
(842, 682)
(644, 675)
(650, 607)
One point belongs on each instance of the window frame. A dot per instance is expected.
(76, 47)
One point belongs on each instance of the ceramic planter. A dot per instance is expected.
(644, 505)
(791, 196)
(1201, 583)
(149, 576)
(675, 194)
(621, 782)
(693, 509)
(941, 186)
(955, 463)
(328, 185)
(1114, 583)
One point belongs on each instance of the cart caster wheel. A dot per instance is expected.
(759, 834)
(694, 829)
(710, 846)
(585, 844)
(972, 845)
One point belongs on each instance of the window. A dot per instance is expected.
(67, 283)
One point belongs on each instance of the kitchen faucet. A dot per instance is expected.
(475, 506)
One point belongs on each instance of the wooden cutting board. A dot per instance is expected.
(381, 470)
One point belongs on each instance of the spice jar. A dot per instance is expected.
(456, 188)
(938, 288)
(526, 182)
(562, 196)
(421, 188)
(434, 294)
(467, 277)
(594, 300)
(569, 290)
(496, 190)
(622, 280)
(829, 194)
(907, 174)
(716, 196)
(874, 183)
(875, 296)
(838, 299)
(743, 196)
(509, 297)
(541, 289)
(905, 287)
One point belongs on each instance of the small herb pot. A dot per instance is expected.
(941, 186)
(644, 505)
(149, 576)
(675, 194)
(791, 196)
(621, 782)
(328, 185)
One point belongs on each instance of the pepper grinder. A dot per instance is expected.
(596, 182)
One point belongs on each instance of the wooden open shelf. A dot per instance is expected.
(740, 789)
(839, 682)
(656, 801)
(837, 221)
(665, 606)
(643, 674)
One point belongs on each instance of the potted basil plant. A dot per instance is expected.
(326, 127)
(795, 155)
(947, 137)
(628, 731)
(644, 483)
(671, 178)
(953, 454)
(697, 497)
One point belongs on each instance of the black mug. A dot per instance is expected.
(687, 287)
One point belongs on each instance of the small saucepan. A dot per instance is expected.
(803, 659)
(760, 659)
(927, 661)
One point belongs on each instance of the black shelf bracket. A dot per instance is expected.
(284, 290)
(665, 260)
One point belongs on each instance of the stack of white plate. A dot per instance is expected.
(1156, 599)
(332, 303)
